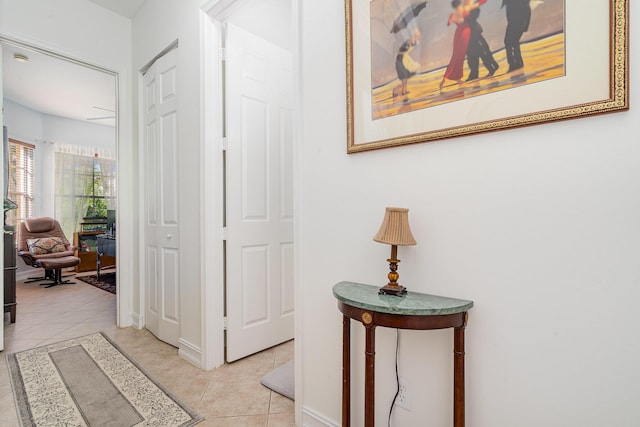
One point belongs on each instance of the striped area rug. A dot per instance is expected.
(89, 381)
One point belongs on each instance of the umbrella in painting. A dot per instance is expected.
(407, 16)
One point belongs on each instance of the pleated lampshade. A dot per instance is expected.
(395, 228)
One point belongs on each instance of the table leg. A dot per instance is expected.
(458, 376)
(369, 382)
(346, 371)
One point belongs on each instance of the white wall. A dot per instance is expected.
(82, 30)
(267, 19)
(24, 124)
(538, 226)
(60, 130)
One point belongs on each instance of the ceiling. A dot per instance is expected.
(54, 86)
(126, 8)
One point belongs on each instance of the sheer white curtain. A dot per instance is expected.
(82, 176)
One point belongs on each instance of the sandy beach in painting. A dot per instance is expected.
(543, 59)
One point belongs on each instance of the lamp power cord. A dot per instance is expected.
(395, 397)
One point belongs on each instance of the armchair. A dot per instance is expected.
(42, 244)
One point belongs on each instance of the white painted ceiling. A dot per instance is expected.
(126, 8)
(57, 87)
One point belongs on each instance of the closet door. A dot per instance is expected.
(161, 221)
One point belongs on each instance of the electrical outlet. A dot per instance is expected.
(403, 399)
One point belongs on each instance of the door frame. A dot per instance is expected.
(212, 17)
(213, 14)
(212, 265)
(124, 251)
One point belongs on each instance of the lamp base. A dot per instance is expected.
(389, 289)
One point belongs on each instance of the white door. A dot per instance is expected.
(259, 194)
(161, 231)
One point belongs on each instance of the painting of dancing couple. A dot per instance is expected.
(427, 53)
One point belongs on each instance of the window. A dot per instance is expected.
(20, 181)
(85, 189)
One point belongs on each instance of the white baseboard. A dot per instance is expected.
(190, 352)
(311, 418)
(137, 321)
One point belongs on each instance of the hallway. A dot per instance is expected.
(227, 396)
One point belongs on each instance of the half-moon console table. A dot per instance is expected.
(411, 311)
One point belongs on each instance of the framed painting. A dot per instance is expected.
(420, 71)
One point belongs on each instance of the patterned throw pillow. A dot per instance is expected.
(46, 245)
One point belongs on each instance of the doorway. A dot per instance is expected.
(45, 102)
(256, 166)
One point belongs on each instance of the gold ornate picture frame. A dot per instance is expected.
(591, 77)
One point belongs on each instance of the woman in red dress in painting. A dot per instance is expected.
(460, 40)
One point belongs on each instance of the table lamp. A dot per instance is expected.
(395, 231)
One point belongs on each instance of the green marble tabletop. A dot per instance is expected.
(413, 303)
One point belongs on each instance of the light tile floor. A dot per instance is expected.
(229, 396)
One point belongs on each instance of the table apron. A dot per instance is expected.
(403, 321)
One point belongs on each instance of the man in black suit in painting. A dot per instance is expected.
(478, 47)
(518, 19)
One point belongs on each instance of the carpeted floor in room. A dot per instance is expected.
(228, 396)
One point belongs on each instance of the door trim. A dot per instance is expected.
(212, 194)
(124, 251)
(296, 28)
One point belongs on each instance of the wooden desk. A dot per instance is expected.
(106, 249)
(85, 242)
(412, 311)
